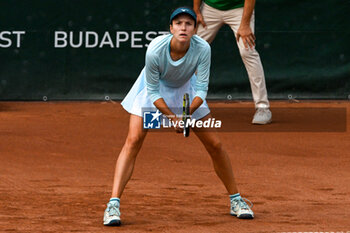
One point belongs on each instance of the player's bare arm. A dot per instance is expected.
(196, 102)
(244, 31)
(197, 10)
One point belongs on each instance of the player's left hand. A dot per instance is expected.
(247, 35)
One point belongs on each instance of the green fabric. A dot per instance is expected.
(225, 4)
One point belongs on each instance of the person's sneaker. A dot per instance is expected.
(240, 208)
(112, 214)
(262, 116)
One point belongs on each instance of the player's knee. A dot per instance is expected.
(134, 141)
(215, 147)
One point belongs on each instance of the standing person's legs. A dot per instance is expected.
(213, 19)
(124, 168)
(223, 169)
(251, 60)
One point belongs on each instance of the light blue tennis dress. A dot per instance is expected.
(164, 78)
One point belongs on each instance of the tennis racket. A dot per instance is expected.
(186, 114)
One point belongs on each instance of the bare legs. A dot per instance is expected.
(220, 159)
(126, 160)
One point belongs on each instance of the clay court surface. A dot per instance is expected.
(57, 163)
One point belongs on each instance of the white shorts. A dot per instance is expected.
(137, 99)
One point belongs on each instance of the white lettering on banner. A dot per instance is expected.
(106, 40)
(57, 39)
(95, 36)
(71, 41)
(149, 37)
(118, 39)
(133, 39)
(8, 39)
(87, 39)
(19, 33)
(5, 39)
(91, 39)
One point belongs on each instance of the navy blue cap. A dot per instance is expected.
(184, 10)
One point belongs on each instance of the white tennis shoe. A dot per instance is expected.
(240, 208)
(262, 116)
(112, 215)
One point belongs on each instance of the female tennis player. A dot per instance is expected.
(171, 63)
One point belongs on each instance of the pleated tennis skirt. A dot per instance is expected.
(137, 100)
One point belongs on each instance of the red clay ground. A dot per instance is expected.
(57, 163)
